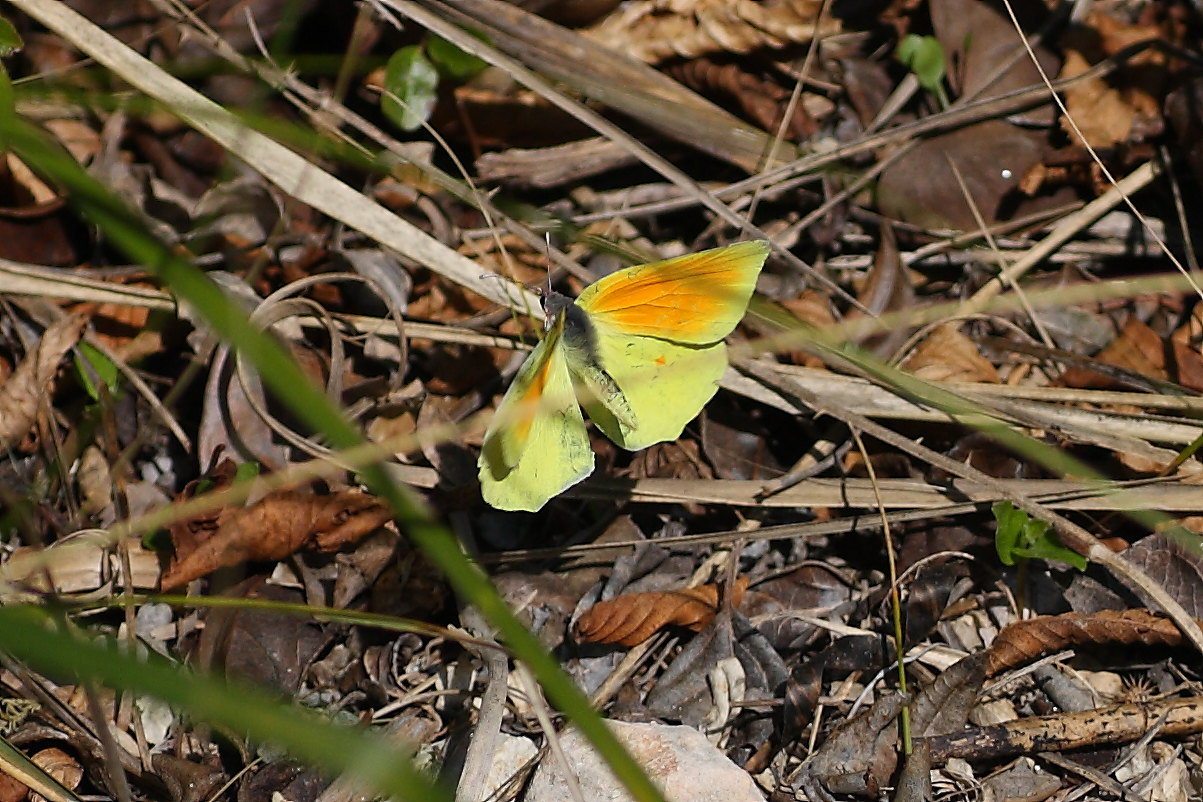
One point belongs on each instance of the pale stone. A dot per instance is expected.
(511, 755)
(680, 761)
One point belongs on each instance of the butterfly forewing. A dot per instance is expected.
(698, 298)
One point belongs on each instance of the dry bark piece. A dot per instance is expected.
(914, 783)
(545, 168)
(30, 383)
(630, 619)
(276, 527)
(1065, 731)
(1025, 641)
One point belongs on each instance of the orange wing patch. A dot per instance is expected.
(697, 298)
(528, 402)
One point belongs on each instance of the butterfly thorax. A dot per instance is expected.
(579, 341)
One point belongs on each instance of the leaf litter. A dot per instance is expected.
(1023, 681)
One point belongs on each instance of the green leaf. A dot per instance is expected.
(89, 363)
(410, 88)
(925, 57)
(246, 471)
(452, 61)
(1019, 537)
(10, 40)
(1010, 526)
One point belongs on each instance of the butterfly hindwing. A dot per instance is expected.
(536, 446)
(664, 386)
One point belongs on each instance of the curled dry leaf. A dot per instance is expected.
(1027, 640)
(59, 765)
(272, 529)
(630, 619)
(82, 562)
(654, 30)
(30, 382)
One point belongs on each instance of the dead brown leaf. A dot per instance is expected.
(921, 187)
(680, 459)
(948, 355)
(1173, 562)
(30, 383)
(272, 529)
(11, 790)
(763, 101)
(123, 328)
(1137, 348)
(630, 619)
(1115, 109)
(1025, 641)
(1184, 344)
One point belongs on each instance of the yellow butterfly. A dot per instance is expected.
(641, 349)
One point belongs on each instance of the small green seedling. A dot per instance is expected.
(411, 79)
(92, 367)
(411, 84)
(1020, 538)
(924, 56)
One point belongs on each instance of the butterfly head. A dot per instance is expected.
(553, 305)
